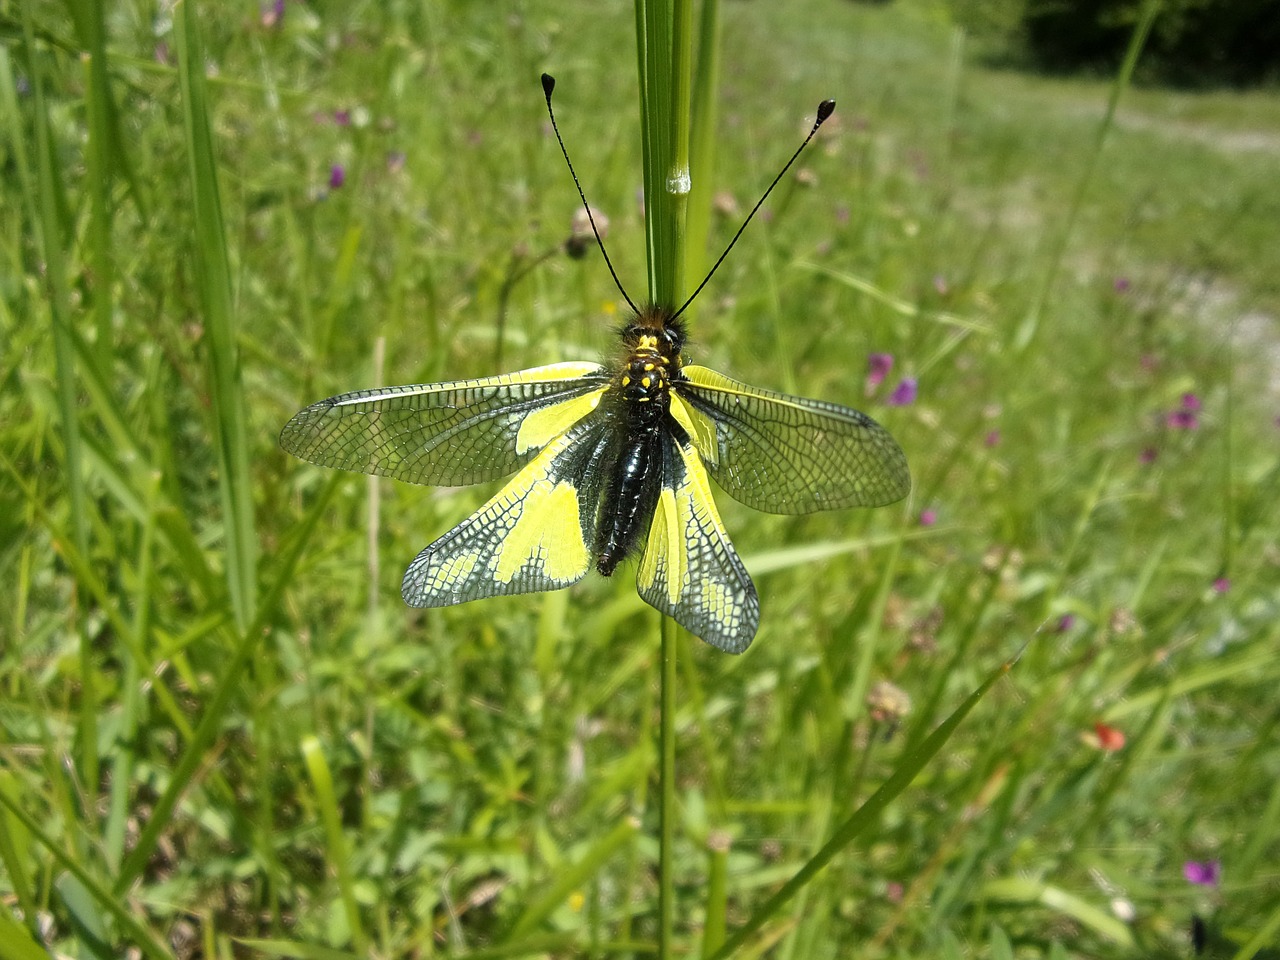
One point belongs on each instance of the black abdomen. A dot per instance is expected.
(631, 494)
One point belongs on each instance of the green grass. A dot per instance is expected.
(215, 730)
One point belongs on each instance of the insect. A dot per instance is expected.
(609, 462)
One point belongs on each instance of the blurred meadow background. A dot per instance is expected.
(223, 735)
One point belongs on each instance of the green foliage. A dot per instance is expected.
(481, 780)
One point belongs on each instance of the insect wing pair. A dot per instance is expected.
(557, 429)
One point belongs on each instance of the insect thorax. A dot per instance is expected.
(653, 342)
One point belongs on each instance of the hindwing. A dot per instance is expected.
(689, 569)
(785, 454)
(447, 434)
(535, 534)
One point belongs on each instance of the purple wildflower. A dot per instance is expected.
(1120, 284)
(992, 439)
(1190, 402)
(342, 118)
(337, 176)
(1202, 874)
(1182, 420)
(1065, 622)
(928, 517)
(1221, 585)
(878, 367)
(904, 394)
(1148, 455)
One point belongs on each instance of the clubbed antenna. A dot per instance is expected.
(825, 109)
(548, 85)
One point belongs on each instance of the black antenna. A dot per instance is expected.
(825, 109)
(549, 84)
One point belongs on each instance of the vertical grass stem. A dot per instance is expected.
(213, 281)
(1031, 322)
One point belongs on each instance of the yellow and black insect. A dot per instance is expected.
(608, 462)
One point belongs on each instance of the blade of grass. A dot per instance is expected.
(98, 180)
(213, 281)
(123, 754)
(13, 845)
(1264, 936)
(326, 799)
(49, 229)
(1026, 332)
(865, 816)
(1027, 891)
(16, 943)
(702, 150)
(86, 921)
(717, 905)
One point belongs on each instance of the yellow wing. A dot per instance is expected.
(535, 534)
(785, 454)
(689, 569)
(449, 434)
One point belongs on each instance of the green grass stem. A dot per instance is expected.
(667, 789)
(213, 282)
(51, 230)
(1030, 325)
(705, 115)
(339, 858)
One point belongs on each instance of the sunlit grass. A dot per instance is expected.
(473, 776)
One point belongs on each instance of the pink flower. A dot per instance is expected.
(1221, 585)
(992, 439)
(1065, 622)
(878, 367)
(1184, 418)
(904, 394)
(1120, 284)
(1148, 455)
(928, 517)
(1205, 873)
(337, 176)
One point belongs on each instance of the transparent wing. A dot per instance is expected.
(689, 569)
(535, 534)
(449, 434)
(784, 454)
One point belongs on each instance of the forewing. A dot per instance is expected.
(689, 569)
(448, 434)
(785, 454)
(535, 534)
